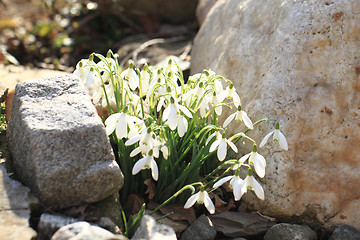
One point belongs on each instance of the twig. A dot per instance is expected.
(133, 55)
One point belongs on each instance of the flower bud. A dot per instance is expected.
(254, 148)
(250, 172)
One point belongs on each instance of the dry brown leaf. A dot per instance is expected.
(218, 201)
(150, 188)
(133, 204)
(179, 213)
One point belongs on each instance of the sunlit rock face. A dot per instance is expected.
(299, 62)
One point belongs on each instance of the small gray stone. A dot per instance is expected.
(201, 229)
(285, 231)
(82, 231)
(240, 224)
(345, 232)
(15, 205)
(50, 223)
(59, 145)
(149, 230)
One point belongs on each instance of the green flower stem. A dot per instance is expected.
(190, 186)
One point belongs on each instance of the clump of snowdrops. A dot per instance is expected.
(166, 129)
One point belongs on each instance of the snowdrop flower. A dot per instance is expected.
(239, 115)
(251, 183)
(215, 99)
(85, 71)
(120, 122)
(131, 76)
(257, 160)
(221, 145)
(146, 141)
(201, 197)
(145, 81)
(235, 184)
(145, 163)
(172, 111)
(277, 137)
(231, 93)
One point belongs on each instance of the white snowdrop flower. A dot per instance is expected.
(239, 115)
(235, 184)
(277, 137)
(257, 160)
(201, 197)
(215, 99)
(120, 122)
(221, 145)
(231, 93)
(130, 75)
(172, 111)
(145, 163)
(146, 141)
(251, 183)
(145, 81)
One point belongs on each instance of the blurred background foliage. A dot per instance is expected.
(57, 33)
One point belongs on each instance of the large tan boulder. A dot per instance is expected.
(298, 61)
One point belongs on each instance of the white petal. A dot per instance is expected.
(236, 185)
(214, 145)
(208, 203)
(110, 123)
(191, 201)
(156, 152)
(229, 119)
(133, 140)
(210, 137)
(236, 99)
(112, 118)
(160, 104)
(282, 141)
(259, 164)
(222, 181)
(165, 151)
(244, 158)
(121, 128)
(133, 79)
(182, 126)
(166, 112)
(172, 120)
(266, 138)
(243, 188)
(185, 111)
(154, 170)
(232, 145)
(135, 152)
(259, 191)
(222, 150)
(139, 165)
(247, 120)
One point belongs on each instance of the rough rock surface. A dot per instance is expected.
(84, 231)
(240, 224)
(201, 229)
(285, 231)
(298, 61)
(59, 145)
(203, 9)
(149, 230)
(15, 205)
(345, 232)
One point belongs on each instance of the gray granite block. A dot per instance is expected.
(59, 145)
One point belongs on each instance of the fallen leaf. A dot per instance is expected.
(133, 204)
(150, 188)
